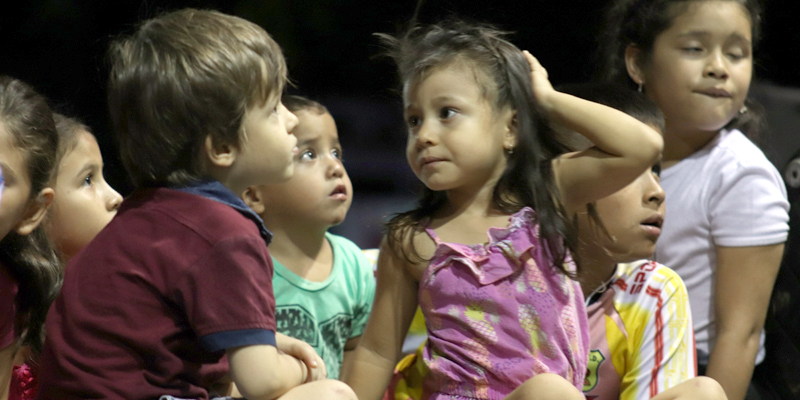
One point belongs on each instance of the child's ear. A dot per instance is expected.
(220, 155)
(254, 199)
(35, 212)
(633, 63)
(510, 139)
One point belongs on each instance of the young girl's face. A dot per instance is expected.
(456, 137)
(700, 68)
(84, 203)
(632, 216)
(17, 191)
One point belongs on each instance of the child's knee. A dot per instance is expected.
(546, 387)
(707, 388)
(338, 390)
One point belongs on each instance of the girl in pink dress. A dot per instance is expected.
(504, 318)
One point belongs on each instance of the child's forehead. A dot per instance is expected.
(457, 69)
(314, 126)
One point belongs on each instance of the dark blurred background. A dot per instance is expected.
(58, 46)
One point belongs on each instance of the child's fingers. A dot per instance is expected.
(534, 63)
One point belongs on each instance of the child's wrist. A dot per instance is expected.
(305, 372)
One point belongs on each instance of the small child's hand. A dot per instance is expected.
(542, 88)
(305, 353)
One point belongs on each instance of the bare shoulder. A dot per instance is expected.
(408, 252)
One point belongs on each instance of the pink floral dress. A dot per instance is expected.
(500, 313)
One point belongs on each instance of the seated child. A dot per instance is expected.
(30, 274)
(323, 283)
(84, 202)
(182, 276)
(641, 336)
(641, 344)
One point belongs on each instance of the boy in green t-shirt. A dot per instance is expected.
(323, 283)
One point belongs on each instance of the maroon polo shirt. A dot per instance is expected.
(150, 305)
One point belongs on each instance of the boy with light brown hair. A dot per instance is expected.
(181, 276)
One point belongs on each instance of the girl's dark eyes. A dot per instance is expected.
(446, 113)
(412, 121)
(337, 154)
(88, 180)
(656, 169)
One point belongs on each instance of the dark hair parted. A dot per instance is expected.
(505, 79)
(181, 77)
(296, 103)
(25, 115)
(639, 22)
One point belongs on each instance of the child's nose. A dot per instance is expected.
(426, 136)
(291, 121)
(655, 193)
(114, 200)
(335, 168)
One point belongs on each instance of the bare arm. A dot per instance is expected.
(745, 277)
(6, 366)
(262, 372)
(381, 344)
(349, 349)
(625, 147)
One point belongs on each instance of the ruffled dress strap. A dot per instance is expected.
(433, 235)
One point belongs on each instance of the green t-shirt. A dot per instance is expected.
(326, 314)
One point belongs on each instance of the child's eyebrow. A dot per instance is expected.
(90, 167)
(705, 34)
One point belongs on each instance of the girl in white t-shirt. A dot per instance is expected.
(727, 211)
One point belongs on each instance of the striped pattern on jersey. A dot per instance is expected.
(641, 336)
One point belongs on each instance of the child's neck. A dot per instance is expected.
(306, 252)
(467, 216)
(681, 142)
(596, 273)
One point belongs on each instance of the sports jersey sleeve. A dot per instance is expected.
(662, 342)
(366, 295)
(228, 297)
(748, 206)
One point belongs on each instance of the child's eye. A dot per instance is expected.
(88, 180)
(412, 121)
(656, 169)
(737, 55)
(693, 49)
(307, 155)
(337, 154)
(446, 113)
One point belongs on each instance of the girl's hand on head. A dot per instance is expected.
(542, 88)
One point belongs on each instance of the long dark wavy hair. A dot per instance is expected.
(33, 263)
(639, 22)
(527, 179)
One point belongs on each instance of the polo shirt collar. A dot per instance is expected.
(214, 190)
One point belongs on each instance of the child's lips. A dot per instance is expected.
(339, 193)
(429, 161)
(715, 92)
(652, 225)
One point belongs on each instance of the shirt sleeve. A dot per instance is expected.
(748, 206)
(663, 341)
(228, 297)
(366, 295)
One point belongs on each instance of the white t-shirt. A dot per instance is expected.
(725, 194)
